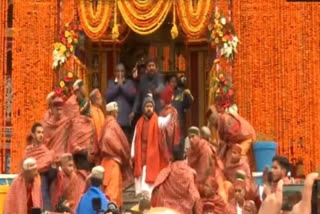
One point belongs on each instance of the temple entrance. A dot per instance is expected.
(173, 56)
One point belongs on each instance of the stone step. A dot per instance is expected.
(129, 198)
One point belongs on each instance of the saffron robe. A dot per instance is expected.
(115, 154)
(146, 151)
(20, 193)
(42, 154)
(175, 188)
(171, 133)
(98, 119)
(242, 165)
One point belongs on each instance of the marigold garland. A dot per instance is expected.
(32, 59)
(144, 17)
(95, 23)
(3, 69)
(194, 21)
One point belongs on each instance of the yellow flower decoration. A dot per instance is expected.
(213, 34)
(220, 76)
(66, 25)
(57, 45)
(69, 40)
(224, 39)
(71, 48)
(75, 41)
(68, 54)
(62, 84)
(218, 90)
(70, 75)
(217, 15)
(66, 33)
(62, 49)
(216, 40)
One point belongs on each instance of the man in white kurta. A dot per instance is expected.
(146, 150)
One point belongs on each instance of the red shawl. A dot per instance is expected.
(154, 159)
(82, 134)
(71, 107)
(56, 134)
(171, 133)
(214, 205)
(16, 200)
(175, 188)
(235, 129)
(42, 154)
(114, 144)
(69, 187)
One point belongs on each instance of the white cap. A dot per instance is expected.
(112, 106)
(77, 84)
(29, 164)
(50, 96)
(97, 172)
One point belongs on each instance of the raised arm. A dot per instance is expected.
(112, 91)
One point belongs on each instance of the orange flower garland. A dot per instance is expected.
(32, 77)
(194, 20)
(95, 18)
(276, 74)
(3, 68)
(144, 17)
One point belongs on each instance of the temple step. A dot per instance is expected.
(129, 197)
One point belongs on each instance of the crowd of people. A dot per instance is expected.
(84, 154)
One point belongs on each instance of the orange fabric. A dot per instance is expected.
(154, 159)
(114, 145)
(175, 188)
(98, 119)
(16, 200)
(214, 205)
(112, 182)
(171, 133)
(82, 134)
(42, 154)
(71, 107)
(231, 170)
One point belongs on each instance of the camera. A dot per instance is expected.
(112, 207)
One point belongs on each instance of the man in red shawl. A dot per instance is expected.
(171, 133)
(237, 164)
(96, 111)
(175, 186)
(67, 189)
(202, 158)
(114, 152)
(230, 128)
(82, 132)
(238, 204)
(56, 128)
(44, 158)
(211, 201)
(147, 149)
(25, 190)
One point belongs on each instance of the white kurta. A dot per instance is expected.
(140, 184)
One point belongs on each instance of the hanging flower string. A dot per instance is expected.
(222, 35)
(223, 91)
(69, 39)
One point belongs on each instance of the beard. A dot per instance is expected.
(148, 114)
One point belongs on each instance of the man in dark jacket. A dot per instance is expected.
(123, 92)
(150, 83)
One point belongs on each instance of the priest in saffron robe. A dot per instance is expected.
(147, 150)
(237, 164)
(175, 186)
(56, 128)
(82, 132)
(115, 155)
(44, 158)
(171, 133)
(25, 190)
(67, 189)
(96, 111)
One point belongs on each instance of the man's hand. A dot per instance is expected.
(304, 206)
(273, 202)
